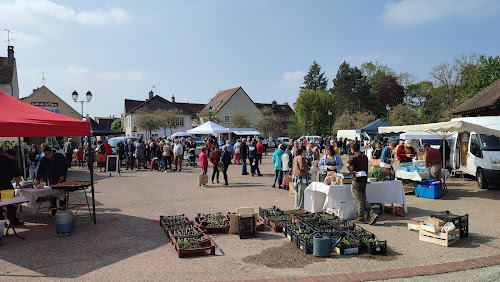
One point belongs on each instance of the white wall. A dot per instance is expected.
(238, 102)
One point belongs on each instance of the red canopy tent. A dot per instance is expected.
(19, 119)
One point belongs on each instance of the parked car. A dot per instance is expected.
(309, 138)
(282, 141)
(113, 141)
(198, 141)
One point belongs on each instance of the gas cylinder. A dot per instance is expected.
(64, 223)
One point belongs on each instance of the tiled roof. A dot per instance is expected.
(6, 72)
(158, 102)
(488, 97)
(222, 96)
(283, 110)
(194, 109)
(131, 104)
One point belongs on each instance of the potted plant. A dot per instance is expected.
(378, 173)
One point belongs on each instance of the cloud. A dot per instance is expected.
(293, 79)
(84, 73)
(46, 15)
(415, 12)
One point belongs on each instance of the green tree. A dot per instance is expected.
(315, 79)
(402, 114)
(147, 120)
(312, 109)
(205, 116)
(269, 122)
(353, 120)
(171, 119)
(370, 69)
(241, 119)
(435, 108)
(117, 125)
(488, 71)
(417, 93)
(351, 90)
(294, 127)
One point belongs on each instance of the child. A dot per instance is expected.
(79, 157)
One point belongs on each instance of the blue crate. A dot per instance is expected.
(430, 189)
(420, 168)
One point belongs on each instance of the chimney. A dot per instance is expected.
(150, 94)
(273, 104)
(286, 103)
(173, 99)
(10, 56)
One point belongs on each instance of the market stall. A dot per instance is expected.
(319, 196)
(20, 119)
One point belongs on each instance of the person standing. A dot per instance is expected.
(178, 152)
(167, 156)
(54, 166)
(226, 160)
(253, 158)
(68, 151)
(277, 166)
(10, 170)
(244, 156)
(204, 160)
(260, 150)
(299, 176)
(140, 154)
(356, 165)
(129, 154)
(387, 157)
(286, 164)
(331, 161)
(433, 161)
(215, 159)
(101, 156)
(237, 151)
(405, 152)
(295, 147)
(79, 157)
(33, 154)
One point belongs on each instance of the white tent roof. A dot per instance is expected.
(180, 134)
(209, 128)
(420, 135)
(443, 129)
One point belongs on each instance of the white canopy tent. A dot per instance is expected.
(443, 130)
(419, 135)
(180, 134)
(209, 128)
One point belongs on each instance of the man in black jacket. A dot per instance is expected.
(8, 171)
(55, 167)
(244, 156)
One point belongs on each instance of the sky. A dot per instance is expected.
(193, 49)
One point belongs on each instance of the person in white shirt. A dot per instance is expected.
(178, 153)
(237, 151)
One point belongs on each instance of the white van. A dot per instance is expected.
(477, 154)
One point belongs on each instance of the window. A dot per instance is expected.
(154, 135)
(218, 103)
(180, 122)
(226, 119)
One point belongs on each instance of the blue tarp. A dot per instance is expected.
(372, 128)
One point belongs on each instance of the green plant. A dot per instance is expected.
(379, 173)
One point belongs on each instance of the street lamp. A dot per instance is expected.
(74, 95)
(210, 111)
(330, 121)
(388, 108)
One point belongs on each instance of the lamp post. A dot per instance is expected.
(388, 108)
(330, 121)
(74, 95)
(210, 111)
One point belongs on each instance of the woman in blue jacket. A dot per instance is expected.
(330, 162)
(277, 166)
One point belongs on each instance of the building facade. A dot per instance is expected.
(8, 74)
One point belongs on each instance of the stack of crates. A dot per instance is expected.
(460, 222)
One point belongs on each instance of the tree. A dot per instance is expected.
(369, 70)
(417, 93)
(147, 120)
(315, 79)
(241, 119)
(312, 108)
(353, 120)
(117, 125)
(402, 114)
(205, 116)
(388, 91)
(351, 90)
(435, 109)
(269, 122)
(170, 119)
(488, 71)
(294, 127)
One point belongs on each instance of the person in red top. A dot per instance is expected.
(405, 152)
(214, 159)
(79, 156)
(260, 150)
(204, 160)
(209, 147)
(433, 160)
(304, 141)
(109, 151)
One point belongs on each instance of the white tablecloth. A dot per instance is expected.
(414, 176)
(319, 196)
(32, 194)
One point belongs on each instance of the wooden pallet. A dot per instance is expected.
(440, 238)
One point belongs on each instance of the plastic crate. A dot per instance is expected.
(213, 229)
(172, 234)
(379, 248)
(246, 227)
(207, 248)
(460, 221)
(304, 246)
(429, 189)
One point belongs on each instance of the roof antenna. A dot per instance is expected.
(8, 36)
(43, 77)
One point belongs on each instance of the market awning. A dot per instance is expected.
(372, 128)
(442, 129)
(246, 132)
(209, 127)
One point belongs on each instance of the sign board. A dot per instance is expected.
(45, 104)
(112, 164)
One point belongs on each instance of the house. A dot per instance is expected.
(284, 111)
(105, 122)
(44, 98)
(484, 103)
(8, 74)
(153, 103)
(227, 102)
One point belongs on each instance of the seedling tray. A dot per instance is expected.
(348, 248)
(201, 237)
(379, 248)
(214, 230)
(207, 248)
(172, 234)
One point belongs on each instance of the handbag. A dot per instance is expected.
(287, 178)
(102, 158)
(376, 162)
(330, 177)
(202, 179)
(220, 166)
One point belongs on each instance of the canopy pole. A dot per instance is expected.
(445, 187)
(21, 157)
(91, 168)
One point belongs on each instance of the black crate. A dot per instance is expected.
(460, 221)
(379, 248)
(246, 227)
(304, 246)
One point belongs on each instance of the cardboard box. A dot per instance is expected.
(434, 221)
(342, 181)
(433, 229)
(233, 221)
(414, 226)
